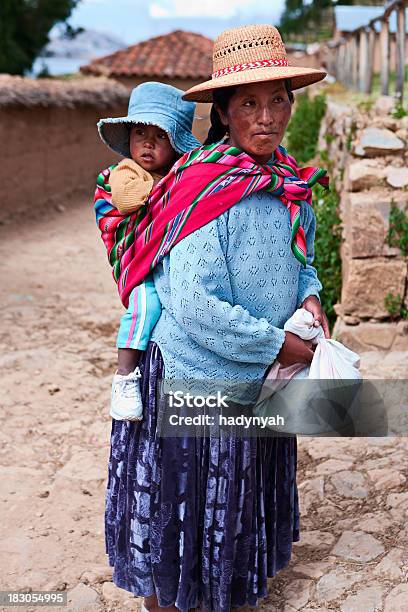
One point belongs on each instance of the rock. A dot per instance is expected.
(315, 539)
(396, 601)
(395, 358)
(350, 484)
(358, 546)
(386, 478)
(55, 585)
(401, 339)
(84, 465)
(332, 465)
(390, 123)
(83, 597)
(392, 365)
(392, 565)
(366, 223)
(367, 284)
(374, 464)
(347, 524)
(310, 491)
(364, 174)
(402, 134)
(387, 122)
(297, 593)
(375, 523)
(53, 389)
(379, 141)
(374, 335)
(332, 585)
(318, 448)
(97, 575)
(384, 105)
(314, 485)
(394, 500)
(359, 150)
(368, 599)
(397, 177)
(349, 320)
(315, 569)
(366, 336)
(111, 593)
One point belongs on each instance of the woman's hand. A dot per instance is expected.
(295, 350)
(313, 305)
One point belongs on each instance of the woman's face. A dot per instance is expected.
(257, 116)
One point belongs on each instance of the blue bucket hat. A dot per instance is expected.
(152, 103)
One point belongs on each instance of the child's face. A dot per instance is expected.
(150, 147)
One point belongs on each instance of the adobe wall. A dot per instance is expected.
(51, 152)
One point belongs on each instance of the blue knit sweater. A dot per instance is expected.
(227, 290)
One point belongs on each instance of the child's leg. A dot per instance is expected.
(137, 323)
(128, 360)
(134, 333)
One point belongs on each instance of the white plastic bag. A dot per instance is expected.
(332, 360)
(309, 408)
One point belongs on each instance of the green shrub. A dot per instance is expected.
(303, 129)
(395, 307)
(399, 111)
(327, 247)
(398, 230)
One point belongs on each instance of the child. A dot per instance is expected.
(156, 131)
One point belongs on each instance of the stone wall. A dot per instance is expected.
(368, 151)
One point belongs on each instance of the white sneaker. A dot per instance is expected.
(126, 399)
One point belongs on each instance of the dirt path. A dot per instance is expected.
(57, 356)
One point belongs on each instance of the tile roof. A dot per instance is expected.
(178, 54)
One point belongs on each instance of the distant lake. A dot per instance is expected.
(58, 65)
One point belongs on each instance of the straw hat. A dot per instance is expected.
(251, 54)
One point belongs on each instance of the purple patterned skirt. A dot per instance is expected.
(198, 521)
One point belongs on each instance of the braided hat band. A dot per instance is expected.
(249, 66)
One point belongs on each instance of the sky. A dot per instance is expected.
(136, 20)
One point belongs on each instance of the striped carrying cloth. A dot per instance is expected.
(202, 185)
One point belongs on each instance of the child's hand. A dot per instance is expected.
(313, 305)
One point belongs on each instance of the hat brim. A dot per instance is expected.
(115, 131)
(300, 77)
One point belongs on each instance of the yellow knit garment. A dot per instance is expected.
(131, 186)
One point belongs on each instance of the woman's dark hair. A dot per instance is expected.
(221, 98)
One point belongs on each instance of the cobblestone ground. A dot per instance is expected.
(57, 356)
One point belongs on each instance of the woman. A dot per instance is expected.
(204, 521)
